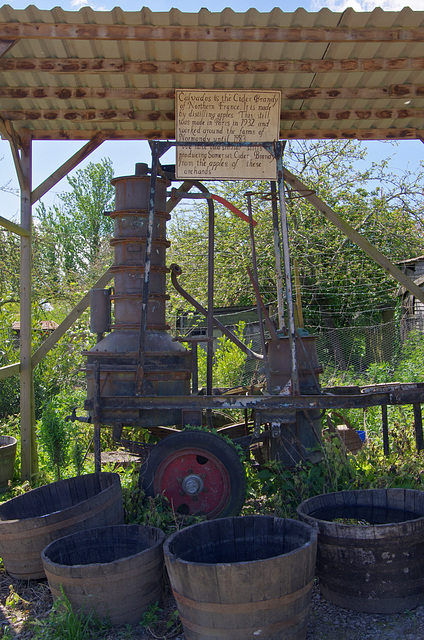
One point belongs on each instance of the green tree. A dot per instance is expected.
(72, 238)
(338, 281)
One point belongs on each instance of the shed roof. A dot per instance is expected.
(69, 75)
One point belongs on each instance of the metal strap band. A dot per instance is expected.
(244, 607)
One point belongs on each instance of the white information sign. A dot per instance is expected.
(226, 116)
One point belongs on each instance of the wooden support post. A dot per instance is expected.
(97, 413)
(26, 377)
(418, 424)
(287, 271)
(385, 423)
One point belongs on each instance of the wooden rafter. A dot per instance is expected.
(67, 166)
(394, 91)
(122, 115)
(389, 133)
(118, 65)
(5, 45)
(171, 33)
(13, 227)
(67, 323)
(8, 132)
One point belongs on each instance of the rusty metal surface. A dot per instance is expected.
(351, 72)
(139, 324)
(326, 400)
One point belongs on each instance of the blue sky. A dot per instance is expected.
(47, 156)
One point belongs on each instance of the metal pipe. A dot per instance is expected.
(277, 251)
(278, 149)
(210, 320)
(176, 271)
(268, 321)
(147, 264)
(255, 274)
(211, 261)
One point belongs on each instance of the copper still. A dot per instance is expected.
(166, 364)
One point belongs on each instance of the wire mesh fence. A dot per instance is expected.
(354, 348)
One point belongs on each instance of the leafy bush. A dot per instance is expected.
(229, 361)
(279, 490)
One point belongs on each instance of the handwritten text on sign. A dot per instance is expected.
(226, 116)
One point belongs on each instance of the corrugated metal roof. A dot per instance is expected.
(71, 74)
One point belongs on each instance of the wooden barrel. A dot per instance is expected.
(7, 460)
(370, 548)
(31, 521)
(116, 572)
(243, 578)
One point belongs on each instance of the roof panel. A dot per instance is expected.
(380, 52)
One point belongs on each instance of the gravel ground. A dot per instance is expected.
(329, 622)
(326, 621)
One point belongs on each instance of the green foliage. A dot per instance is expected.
(53, 436)
(154, 512)
(157, 627)
(411, 361)
(151, 616)
(73, 236)
(63, 442)
(279, 490)
(339, 282)
(65, 624)
(229, 361)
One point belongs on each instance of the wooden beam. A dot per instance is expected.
(5, 45)
(89, 115)
(351, 114)
(26, 378)
(354, 236)
(9, 370)
(76, 312)
(170, 33)
(339, 133)
(66, 167)
(13, 227)
(119, 65)
(80, 93)
(7, 130)
(123, 115)
(125, 93)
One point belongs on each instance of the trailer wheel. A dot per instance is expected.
(198, 472)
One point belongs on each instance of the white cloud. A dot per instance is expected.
(368, 5)
(78, 4)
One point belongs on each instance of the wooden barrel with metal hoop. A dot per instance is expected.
(243, 578)
(30, 522)
(114, 572)
(370, 548)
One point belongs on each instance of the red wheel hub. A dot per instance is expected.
(194, 481)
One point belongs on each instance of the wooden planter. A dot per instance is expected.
(7, 460)
(31, 521)
(377, 567)
(243, 578)
(116, 572)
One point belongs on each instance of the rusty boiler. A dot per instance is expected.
(112, 364)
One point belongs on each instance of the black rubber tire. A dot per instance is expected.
(205, 443)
